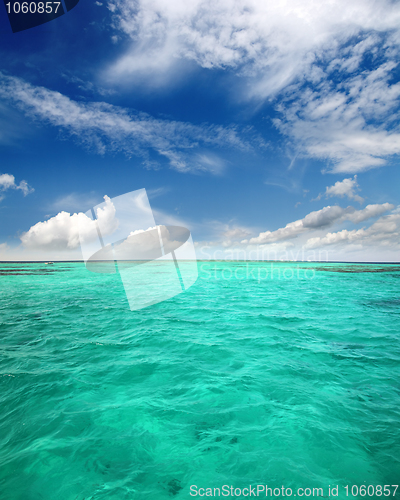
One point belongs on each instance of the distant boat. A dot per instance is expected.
(49, 262)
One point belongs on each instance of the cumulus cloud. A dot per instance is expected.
(369, 212)
(117, 129)
(346, 187)
(60, 232)
(319, 219)
(384, 232)
(63, 231)
(7, 181)
(314, 220)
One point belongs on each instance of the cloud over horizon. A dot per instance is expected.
(319, 219)
(384, 232)
(65, 231)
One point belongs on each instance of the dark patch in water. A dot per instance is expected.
(27, 272)
(341, 345)
(357, 269)
(344, 351)
(174, 487)
(389, 303)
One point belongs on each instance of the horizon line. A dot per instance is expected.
(204, 260)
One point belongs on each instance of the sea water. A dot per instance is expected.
(269, 374)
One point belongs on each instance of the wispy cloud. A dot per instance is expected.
(75, 202)
(354, 124)
(271, 42)
(331, 67)
(225, 234)
(106, 127)
(7, 181)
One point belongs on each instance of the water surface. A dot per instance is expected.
(278, 374)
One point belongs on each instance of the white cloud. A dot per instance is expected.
(352, 125)
(62, 231)
(272, 41)
(337, 108)
(7, 181)
(331, 66)
(117, 129)
(58, 238)
(369, 212)
(346, 187)
(307, 239)
(318, 220)
(384, 232)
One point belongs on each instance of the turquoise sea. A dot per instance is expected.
(277, 374)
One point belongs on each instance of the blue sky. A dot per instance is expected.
(267, 128)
